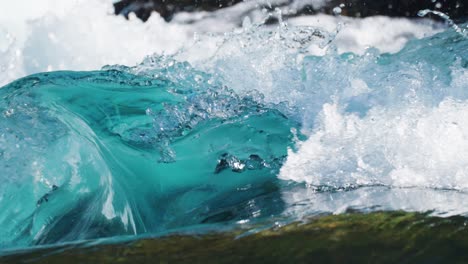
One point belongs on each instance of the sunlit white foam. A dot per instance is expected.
(408, 147)
(383, 33)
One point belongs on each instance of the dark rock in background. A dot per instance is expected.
(393, 8)
(167, 8)
(456, 9)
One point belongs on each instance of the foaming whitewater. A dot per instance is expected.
(78, 35)
(389, 130)
(55, 35)
(257, 125)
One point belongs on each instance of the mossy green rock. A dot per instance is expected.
(382, 237)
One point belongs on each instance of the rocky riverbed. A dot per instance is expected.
(380, 237)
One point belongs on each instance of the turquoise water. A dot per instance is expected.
(166, 146)
(95, 154)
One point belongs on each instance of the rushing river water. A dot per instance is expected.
(258, 125)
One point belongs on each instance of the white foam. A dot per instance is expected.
(46, 35)
(384, 33)
(414, 146)
(83, 35)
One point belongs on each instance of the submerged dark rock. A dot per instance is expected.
(381, 237)
(456, 9)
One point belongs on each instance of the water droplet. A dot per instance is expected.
(246, 23)
(337, 11)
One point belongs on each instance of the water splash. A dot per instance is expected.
(446, 18)
(257, 127)
(59, 35)
(384, 130)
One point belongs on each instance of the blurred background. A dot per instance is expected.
(46, 35)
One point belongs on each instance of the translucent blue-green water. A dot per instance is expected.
(167, 146)
(95, 154)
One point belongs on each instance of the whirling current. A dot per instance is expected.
(268, 124)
